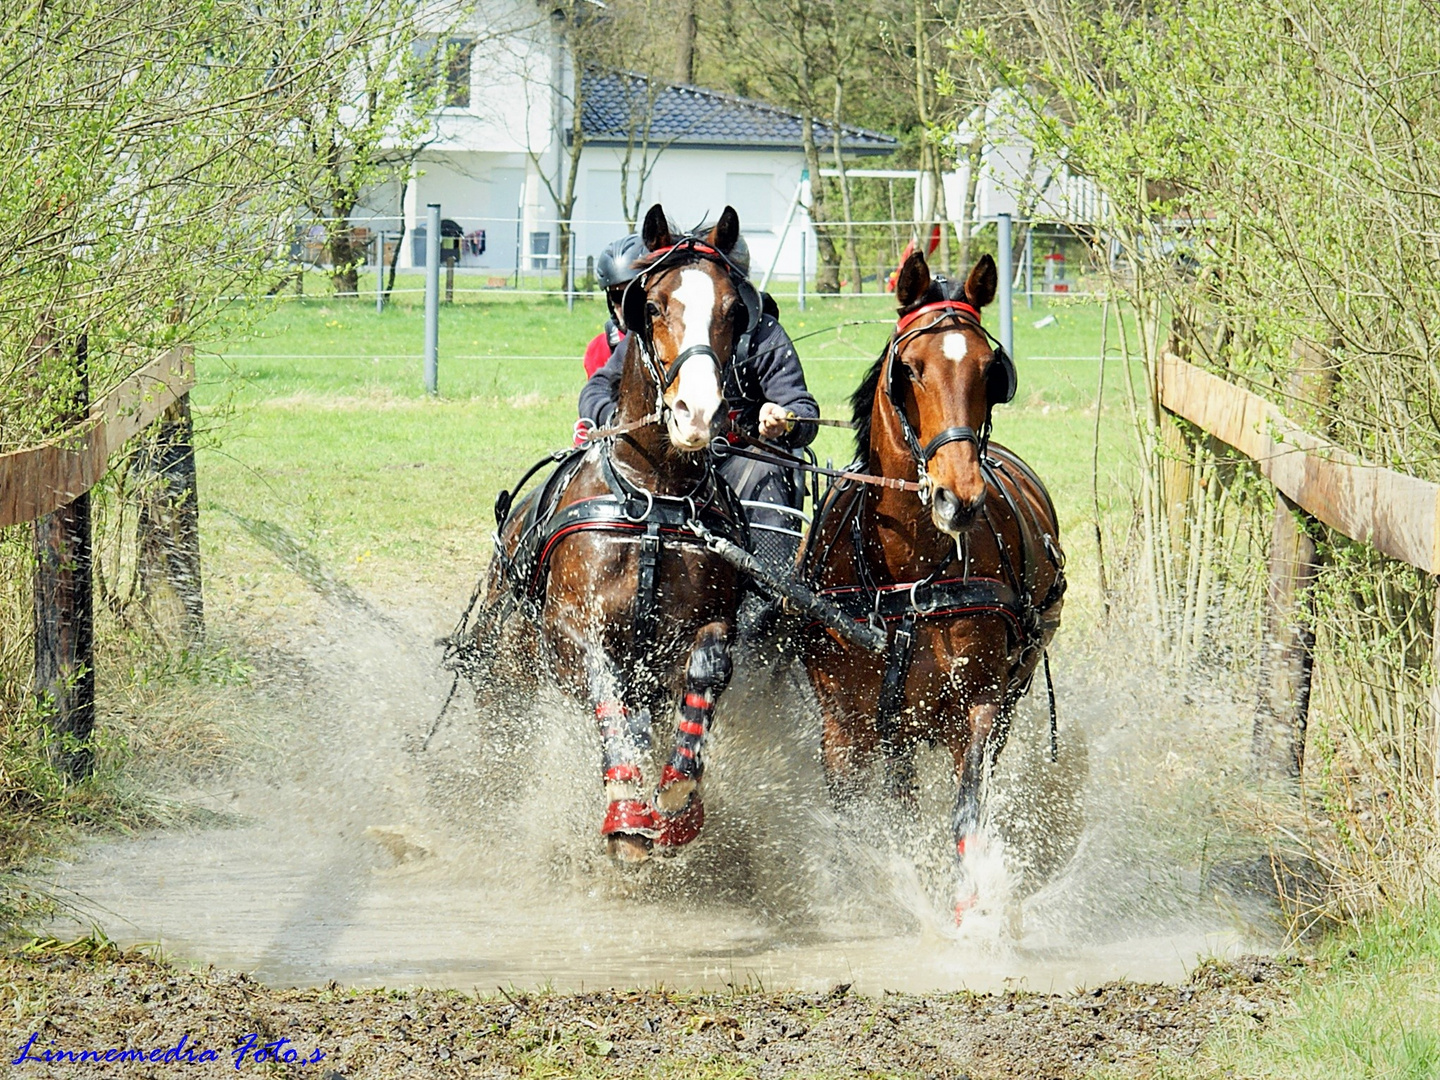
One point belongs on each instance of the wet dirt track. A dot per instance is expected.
(139, 1004)
(352, 857)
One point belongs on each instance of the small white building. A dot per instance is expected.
(507, 127)
(1015, 178)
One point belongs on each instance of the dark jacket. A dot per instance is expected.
(766, 368)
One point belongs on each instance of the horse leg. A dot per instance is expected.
(678, 797)
(630, 826)
(901, 789)
(972, 751)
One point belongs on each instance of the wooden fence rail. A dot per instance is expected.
(40, 479)
(50, 485)
(1397, 514)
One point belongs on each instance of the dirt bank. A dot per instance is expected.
(132, 1002)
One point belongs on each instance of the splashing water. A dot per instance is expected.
(478, 862)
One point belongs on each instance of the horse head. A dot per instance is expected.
(688, 307)
(943, 379)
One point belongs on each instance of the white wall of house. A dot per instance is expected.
(696, 185)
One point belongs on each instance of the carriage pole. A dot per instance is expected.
(432, 298)
(1007, 282)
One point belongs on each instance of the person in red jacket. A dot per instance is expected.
(601, 346)
(614, 269)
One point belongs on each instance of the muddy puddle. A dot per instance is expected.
(348, 853)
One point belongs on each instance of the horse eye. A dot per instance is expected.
(651, 309)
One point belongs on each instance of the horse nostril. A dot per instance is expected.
(953, 513)
(947, 506)
(680, 408)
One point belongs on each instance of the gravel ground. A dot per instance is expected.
(106, 1002)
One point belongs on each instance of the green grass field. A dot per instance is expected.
(318, 421)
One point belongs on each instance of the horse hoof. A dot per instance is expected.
(673, 794)
(631, 816)
(628, 848)
(963, 906)
(680, 828)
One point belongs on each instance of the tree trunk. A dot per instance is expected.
(827, 274)
(685, 42)
(975, 154)
(851, 247)
(345, 254)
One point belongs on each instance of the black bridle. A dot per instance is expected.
(1000, 384)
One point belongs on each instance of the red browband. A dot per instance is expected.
(704, 249)
(939, 305)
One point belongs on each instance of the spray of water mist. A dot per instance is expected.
(359, 857)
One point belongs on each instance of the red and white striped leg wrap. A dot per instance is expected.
(619, 752)
(685, 761)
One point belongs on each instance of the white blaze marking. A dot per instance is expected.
(955, 346)
(696, 385)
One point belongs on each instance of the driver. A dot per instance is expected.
(763, 384)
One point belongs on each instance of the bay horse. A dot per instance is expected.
(634, 614)
(962, 567)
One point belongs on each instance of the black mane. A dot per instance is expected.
(862, 401)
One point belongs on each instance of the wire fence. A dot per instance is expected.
(521, 255)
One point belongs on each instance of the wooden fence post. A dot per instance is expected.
(1287, 651)
(64, 611)
(169, 522)
(1435, 705)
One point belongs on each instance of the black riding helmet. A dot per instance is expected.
(616, 265)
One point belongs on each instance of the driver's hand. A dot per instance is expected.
(773, 421)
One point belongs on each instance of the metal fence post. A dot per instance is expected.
(1007, 276)
(432, 298)
(380, 272)
(800, 291)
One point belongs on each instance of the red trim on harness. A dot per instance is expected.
(697, 701)
(905, 586)
(941, 305)
(685, 752)
(690, 727)
(619, 774)
(610, 710)
(656, 256)
(609, 526)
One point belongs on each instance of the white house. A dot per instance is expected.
(1015, 178)
(507, 126)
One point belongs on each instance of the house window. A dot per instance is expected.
(751, 195)
(458, 53)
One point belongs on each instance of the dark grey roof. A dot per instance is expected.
(705, 119)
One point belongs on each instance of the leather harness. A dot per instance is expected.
(627, 509)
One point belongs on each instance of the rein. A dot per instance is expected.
(758, 451)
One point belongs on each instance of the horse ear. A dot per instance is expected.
(727, 230)
(981, 284)
(656, 230)
(632, 308)
(913, 281)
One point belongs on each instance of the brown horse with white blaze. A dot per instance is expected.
(634, 613)
(963, 566)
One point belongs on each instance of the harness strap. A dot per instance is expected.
(892, 687)
(646, 613)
